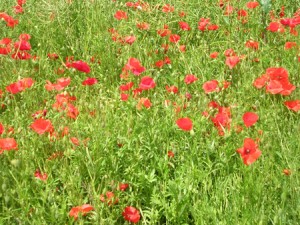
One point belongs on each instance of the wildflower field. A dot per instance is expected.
(149, 112)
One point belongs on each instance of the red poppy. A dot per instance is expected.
(182, 48)
(42, 126)
(174, 38)
(59, 85)
(143, 26)
(131, 214)
(276, 81)
(20, 85)
(126, 87)
(147, 83)
(129, 39)
(231, 61)
(250, 119)
(80, 66)
(7, 144)
(287, 172)
(52, 56)
(214, 55)
(90, 81)
(212, 27)
(172, 89)
(1, 128)
(21, 2)
(84, 209)
(273, 26)
(10, 21)
(167, 8)
(190, 78)
(109, 198)
(252, 44)
(22, 45)
(211, 86)
(143, 102)
(185, 124)
(184, 25)
(164, 32)
(289, 45)
(171, 154)
(202, 24)
(134, 66)
(22, 55)
(159, 64)
(249, 152)
(252, 5)
(120, 15)
(293, 105)
(40, 176)
(123, 186)
(5, 47)
(72, 111)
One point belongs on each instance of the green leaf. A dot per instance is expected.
(266, 5)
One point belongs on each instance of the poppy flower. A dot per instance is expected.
(129, 39)
(80, 66)
(7, 144)
(90, 81)
(287, 172)
(40, 176)
(83, 210)
(143, 26)
(131, 214)
(212, 27)
(20, 85)
(134, 66)
(210, 86)
(1, 128)
(202, 24)
(190, 78)
(120, 15)
(42, 126)
(59, 85)
(250, 119)
(249, 152)
(185, 124)
(123, 186)
(124, 97)
(252, 44)
(214, 55)
(143, 102)
(171, 154)
(289, 45)
(109, 198)
(164, 32)
(22, 45)
(174, 38)
(172, 89)
(21, 2)
(167, 8)
(159, 63)
(232, 61)
(18, 9)
(21, 55)
(147, 83)
(184, 26)
(126, 87)
(252, 5)
(273, 27)
(293, 105)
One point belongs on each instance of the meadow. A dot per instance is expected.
(149, 112)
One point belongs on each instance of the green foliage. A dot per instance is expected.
(206, 181)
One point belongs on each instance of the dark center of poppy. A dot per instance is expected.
(247, 151)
